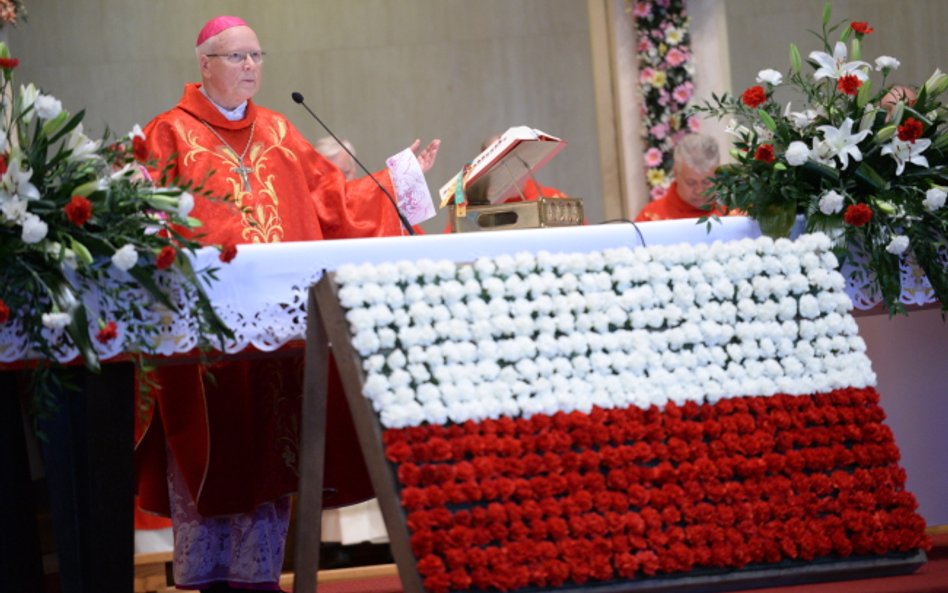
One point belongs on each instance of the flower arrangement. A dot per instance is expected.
(11, 12)
(83, 234)
(864, 162)
(665, 83)
(578, 419)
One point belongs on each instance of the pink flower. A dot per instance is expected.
(653, 157)
(642, 9)
(657, 192)
(645, 76)
(694, 124)
(659, 131)
(676, 57)
(682, 93)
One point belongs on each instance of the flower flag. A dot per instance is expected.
(578, 419)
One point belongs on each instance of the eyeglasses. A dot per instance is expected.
(238, 57)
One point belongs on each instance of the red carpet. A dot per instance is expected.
(930, 578)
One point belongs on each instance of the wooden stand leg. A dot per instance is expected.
(312, 454)
(21, 561)
(88, 456)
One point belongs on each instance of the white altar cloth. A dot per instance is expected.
(261, 295)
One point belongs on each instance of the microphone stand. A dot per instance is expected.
(298, 98)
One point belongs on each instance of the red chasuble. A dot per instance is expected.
(671, 206)
(235, 436)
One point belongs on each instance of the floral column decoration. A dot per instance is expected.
(665, 83)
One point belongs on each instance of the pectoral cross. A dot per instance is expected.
(243, 171)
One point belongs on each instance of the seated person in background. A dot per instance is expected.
(336, 154)
(696, 158)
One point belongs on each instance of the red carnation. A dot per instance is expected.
(228, 252)
(139, 149)
(765, 153)
(858, 215)
(9, 63)
(3, 164)
(4, 312)
(861, 27)
(108, 333)
(166, 257)
(754, 96)
(78, 210)
(910, 130)
(849, 84)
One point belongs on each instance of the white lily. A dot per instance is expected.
(835, 66)
(800, 119)
(82, 147)
(736, 129)
(16, 182)
(907, 152)
(3, 141)
(12, 208)
(842, 143)
(26, 99)
(185, 205)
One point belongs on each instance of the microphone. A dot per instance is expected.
(298, 98)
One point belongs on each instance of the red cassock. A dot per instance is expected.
(235, 435)
(671, 207)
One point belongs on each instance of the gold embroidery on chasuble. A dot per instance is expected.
(259, 212)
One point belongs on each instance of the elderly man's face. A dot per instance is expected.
(228, 83)
(692, 184)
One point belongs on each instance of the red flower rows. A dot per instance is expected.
(632, 493)
(858, 215)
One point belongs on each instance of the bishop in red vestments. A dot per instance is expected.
(219, 456)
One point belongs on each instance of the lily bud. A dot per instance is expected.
(898, 112)
(795, 60)
(767, 120)
(87, 188)
(50, 127)
(936, 84)
(862, 96)
(855, 51)
(81, 251)
(886, 133)
(827, 13)
(780, 167)
(885, 206)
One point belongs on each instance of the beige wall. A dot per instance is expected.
(911, 30)
(380, 72)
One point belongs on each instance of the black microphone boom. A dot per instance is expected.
(298, 98)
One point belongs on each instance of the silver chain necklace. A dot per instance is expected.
(241, 169)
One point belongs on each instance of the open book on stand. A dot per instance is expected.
(502, 168)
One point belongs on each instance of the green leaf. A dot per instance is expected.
(871, 177)
(767, 120)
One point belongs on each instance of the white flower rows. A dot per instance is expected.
(542, 333)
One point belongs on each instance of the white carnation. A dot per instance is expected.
(887, 63)
(770, 76)
(34, 229)
(797, 153)
(47, 106)
(934, 199)
(831, 202)
(125, 257)
(897, 245)
(56, 320)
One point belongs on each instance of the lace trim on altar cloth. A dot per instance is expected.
(242, 550)
(861, 288)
